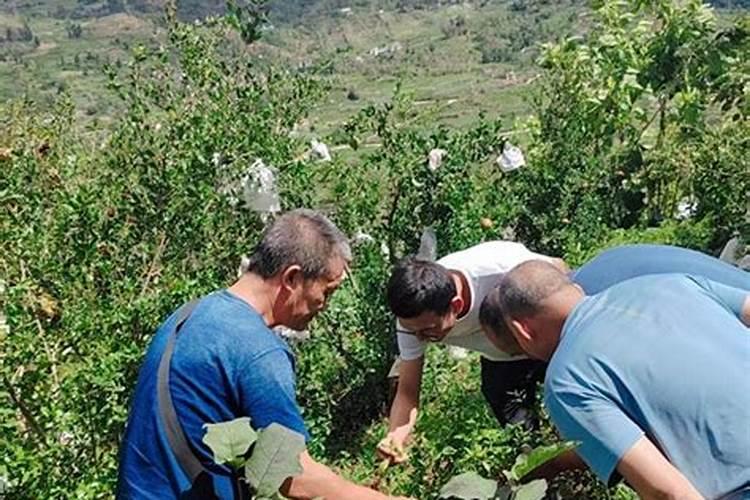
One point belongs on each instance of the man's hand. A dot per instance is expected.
(392, 447)
(404, 411)
(394, 444)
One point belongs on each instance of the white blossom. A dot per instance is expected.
(320, 150)
(685, 209)
(456, 352)
(511, 158)
(259, 190)
(360, 237)
(384, 249)
(435, 158)
(294, 336)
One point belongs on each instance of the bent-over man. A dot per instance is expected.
(225, 362)
(438, 302)
(651, 376)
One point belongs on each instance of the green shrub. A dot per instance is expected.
(105, 232)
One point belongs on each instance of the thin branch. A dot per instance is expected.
(659, 111)
(153, 270)
(27, 415)
(50, 356)
(389, 223)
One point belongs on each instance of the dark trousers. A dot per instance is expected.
(510, 388)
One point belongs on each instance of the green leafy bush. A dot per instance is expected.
(106, 232)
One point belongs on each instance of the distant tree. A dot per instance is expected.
(456, 26)
(74, 30)
(25, 34)
(731, 4)
(115, 6)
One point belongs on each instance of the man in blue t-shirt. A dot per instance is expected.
(227, 363)
(651, 376)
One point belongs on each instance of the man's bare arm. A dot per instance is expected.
(318, 481)
(405, 408)
(651, 475)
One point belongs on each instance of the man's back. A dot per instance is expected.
(226, 364)
(665, 356)
(624, 262)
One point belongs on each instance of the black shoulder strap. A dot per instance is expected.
(176, 437)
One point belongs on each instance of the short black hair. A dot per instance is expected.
(302, 237)
(417, 286)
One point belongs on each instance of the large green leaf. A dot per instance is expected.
(535, 490)
(275, 458)
(229, 441)
(469, 486)
(527, 462)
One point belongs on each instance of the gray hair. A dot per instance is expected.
(527, 285)
(300, 237)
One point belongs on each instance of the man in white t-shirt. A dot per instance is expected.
(439, 302)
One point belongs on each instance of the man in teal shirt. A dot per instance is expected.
(652, 376)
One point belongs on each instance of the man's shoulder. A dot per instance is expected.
(570, 364)
(226, 324)
(492, 253)
(656, 282)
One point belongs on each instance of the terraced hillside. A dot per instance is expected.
(460, 58)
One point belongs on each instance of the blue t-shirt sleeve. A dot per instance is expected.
(604, 431)
(266, 390)
(730, 297)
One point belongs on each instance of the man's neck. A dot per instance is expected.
(555, 318)
(463, 290)
(260, 294)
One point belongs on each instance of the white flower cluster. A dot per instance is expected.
(320, 150)
(511, 158)
(259, 190)
(435, 158)
(292, 336)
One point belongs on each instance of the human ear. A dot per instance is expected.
(521, 333)
(457, 305)
(291, 277)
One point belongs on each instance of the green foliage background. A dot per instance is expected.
(103, 233)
